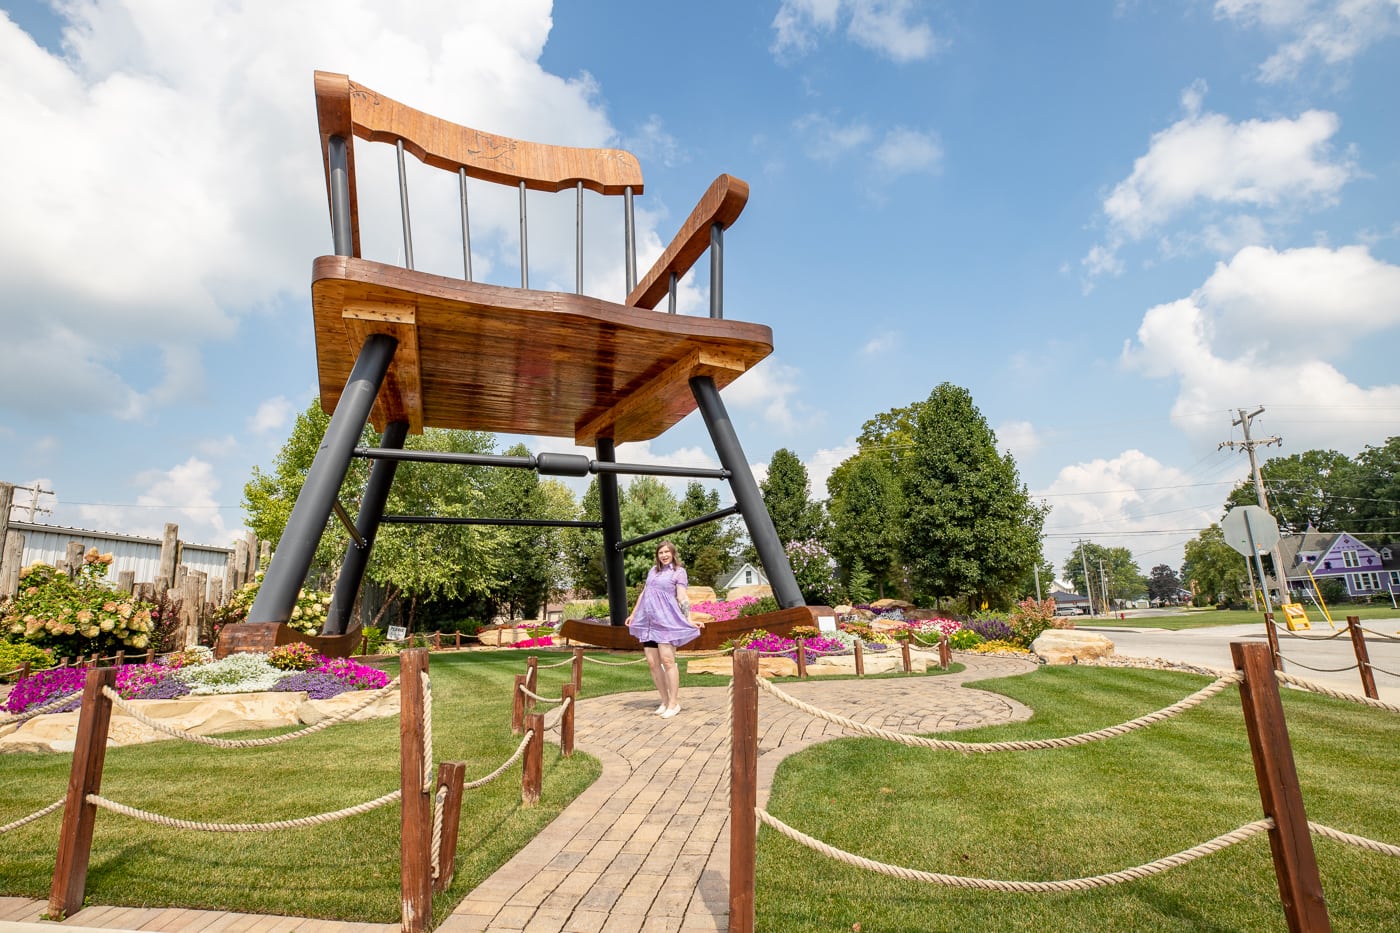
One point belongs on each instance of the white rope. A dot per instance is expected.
(1195, 699)
(1361, 842)
(1381, 635)
(36, 815)
(1319, 670)
(1289, 633)
(299, 823)
(615, 663)
(545, 667)
(555, 717)
(537, 698)
(31, 713)
(515, 756)
(1316, 687)
(1037, 887)
(437, 829)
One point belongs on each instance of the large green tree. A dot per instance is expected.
(269, 496)
(1113, 573)
(531, 556)
(1213, 570)
(971, 529)
(786, 493)
(648, 507)
(583, 547)
(1163, 583)
(866, 512)
(706, 549)
(1375, 493)
(1310, 488)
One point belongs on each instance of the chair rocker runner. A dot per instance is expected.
(406, 350)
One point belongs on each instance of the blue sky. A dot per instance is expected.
(1115, 223)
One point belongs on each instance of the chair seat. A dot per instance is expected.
(488, 358)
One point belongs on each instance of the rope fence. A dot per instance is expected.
(1135, 873)
(1325, 690)
(298, 823)
(1284, 816)
(916, 741)
(1318, 670)
(48, 707)
(1381, 635)
(36, 815)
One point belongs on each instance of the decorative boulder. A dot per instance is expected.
(882, 604)
(701, 617)
(700, 594)
(1062, 646)
(767, 667)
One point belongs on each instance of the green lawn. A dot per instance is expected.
(1051, 815)
(1203, 618)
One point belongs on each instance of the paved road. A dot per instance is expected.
(1210, 647)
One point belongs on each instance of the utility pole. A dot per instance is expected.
(35, 492)
(1103, 587)
(1248, 445)
(1084, 565)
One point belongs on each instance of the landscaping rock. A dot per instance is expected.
(880, 605)
(202, 715)
(1061, 646)
(701, 617)
(767, 667)
(313, 711)
(700, 594)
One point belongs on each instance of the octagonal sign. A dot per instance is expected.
(1261, 523)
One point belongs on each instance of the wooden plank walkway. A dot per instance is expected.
(646, 847)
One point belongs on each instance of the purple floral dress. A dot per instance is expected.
(658, 617)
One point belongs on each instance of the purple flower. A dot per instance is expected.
(318, 685)
(355, 675)
(45, 686)
(167, 688)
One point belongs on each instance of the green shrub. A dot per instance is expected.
(758, 607)
(15, 653)
(964, 638)
(308, 615)
(298, 656)
(77, 615)
(1030, 617)
(586, 609)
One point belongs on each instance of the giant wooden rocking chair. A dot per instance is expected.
(406, 350)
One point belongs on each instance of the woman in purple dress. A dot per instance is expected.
(661, 622)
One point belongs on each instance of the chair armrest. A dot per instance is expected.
(721, 204)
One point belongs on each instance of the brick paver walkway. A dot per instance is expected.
(646, 847)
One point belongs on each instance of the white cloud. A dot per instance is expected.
(1117, 502)
(273, 415)
(822, 463)
(1260, 329)
(880, 343)
(170, 190)
(187, 491)
(1330, 31)
(889, 28)
(829, 140)
(1018, 438)
(768, 388)
(904, 151)
(1204, 163)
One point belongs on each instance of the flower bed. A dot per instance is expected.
(193, 673)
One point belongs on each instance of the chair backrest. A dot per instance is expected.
(347, 110)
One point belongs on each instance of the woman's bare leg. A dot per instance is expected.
(671, 674)
(658, 676)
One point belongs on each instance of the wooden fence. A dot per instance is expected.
(199, 577)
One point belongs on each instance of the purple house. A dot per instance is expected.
(1364, 571)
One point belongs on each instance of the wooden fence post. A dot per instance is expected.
(517, 706)
(11, 561)
(73, 557)
(945, 653)
(576, 671)
(1269, 630)
(1299, 886)
(416, 812)
(802, 659)
(904, 654)
(84, 777)
(743, 793)
(169, 557)
(1363, 657)
(532, 774)
(860, 658)
(452, 775)
(566, 722)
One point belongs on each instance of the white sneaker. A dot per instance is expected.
(660, 709)
(668, 713)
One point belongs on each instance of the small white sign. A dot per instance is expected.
(826, 623)
(396, 633)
